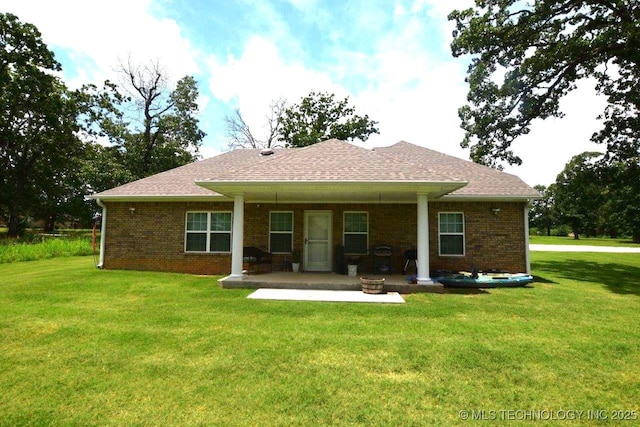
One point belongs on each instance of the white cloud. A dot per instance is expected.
(412, 92)
(207, 151)
(97, 36)
(261, 75)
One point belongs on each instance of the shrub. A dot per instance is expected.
(36, 247)
(563, 231)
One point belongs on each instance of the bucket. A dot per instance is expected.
(352, 270)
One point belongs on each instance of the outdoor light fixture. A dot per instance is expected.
(132, 210)
(495, 210)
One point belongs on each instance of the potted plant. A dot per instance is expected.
(352, 266)
(296, 255)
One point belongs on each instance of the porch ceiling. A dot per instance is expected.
(332, 191)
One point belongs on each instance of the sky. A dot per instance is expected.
(390, 57)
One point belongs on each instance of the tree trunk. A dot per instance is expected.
(636, 236)
(574, 228)
(50, 223)
(13, 227)
(15, 206)
(548, 231)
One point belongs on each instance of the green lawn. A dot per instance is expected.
(80, 346)
(591, 241)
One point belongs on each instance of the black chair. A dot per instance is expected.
(256, 257)
(410, 255)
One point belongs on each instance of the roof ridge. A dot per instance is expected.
(449, 156)
(412, 163)
(285, 151)
(412, 159)
(467, 162)
(288, 153)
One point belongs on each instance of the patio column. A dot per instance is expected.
(238, 236)
(423, 241)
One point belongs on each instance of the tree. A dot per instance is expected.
(319, 117)
(104, 168)
(151, 128)
(64, 196)
(542, 214)
(240, 136)
(38, 142)
(167, 133)
(579, 194)
(593, 196)
(623, 197)
(528, 55)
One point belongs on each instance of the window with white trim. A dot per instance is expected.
(356, 233)
(451, 233)
(208, 232)
(280, 232)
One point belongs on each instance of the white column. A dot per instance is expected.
(238, 236)
(526, 238)
(423, 241)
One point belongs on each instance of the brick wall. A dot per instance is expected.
(492, 240)
(152, 237)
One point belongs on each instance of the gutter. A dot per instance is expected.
(103, 232)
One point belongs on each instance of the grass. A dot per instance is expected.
(590, 241)
(83, 346)
(43, 248)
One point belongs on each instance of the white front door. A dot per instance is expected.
(317, 240)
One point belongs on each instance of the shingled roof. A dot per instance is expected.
(482, 181)
(331, 161)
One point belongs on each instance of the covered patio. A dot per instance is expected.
(299, 192)
(328, 281)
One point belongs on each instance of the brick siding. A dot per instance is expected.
(152, 236)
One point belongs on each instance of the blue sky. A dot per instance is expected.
(391, 57)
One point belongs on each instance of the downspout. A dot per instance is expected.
(103, 232)
(527, 258)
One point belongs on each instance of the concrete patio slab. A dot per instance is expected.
(325, 296)
(321, 281)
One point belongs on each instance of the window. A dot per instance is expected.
(451, 233)
(356, 233)
(208, 232)
(280, 232)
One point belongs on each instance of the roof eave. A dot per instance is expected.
(337, 191)
(159, 198)
(489, 197)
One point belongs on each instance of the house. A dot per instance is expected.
(329, 200)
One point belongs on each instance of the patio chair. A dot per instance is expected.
(255, 257)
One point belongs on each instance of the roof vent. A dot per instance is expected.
(266, 152)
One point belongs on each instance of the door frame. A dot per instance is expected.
(329, 242)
